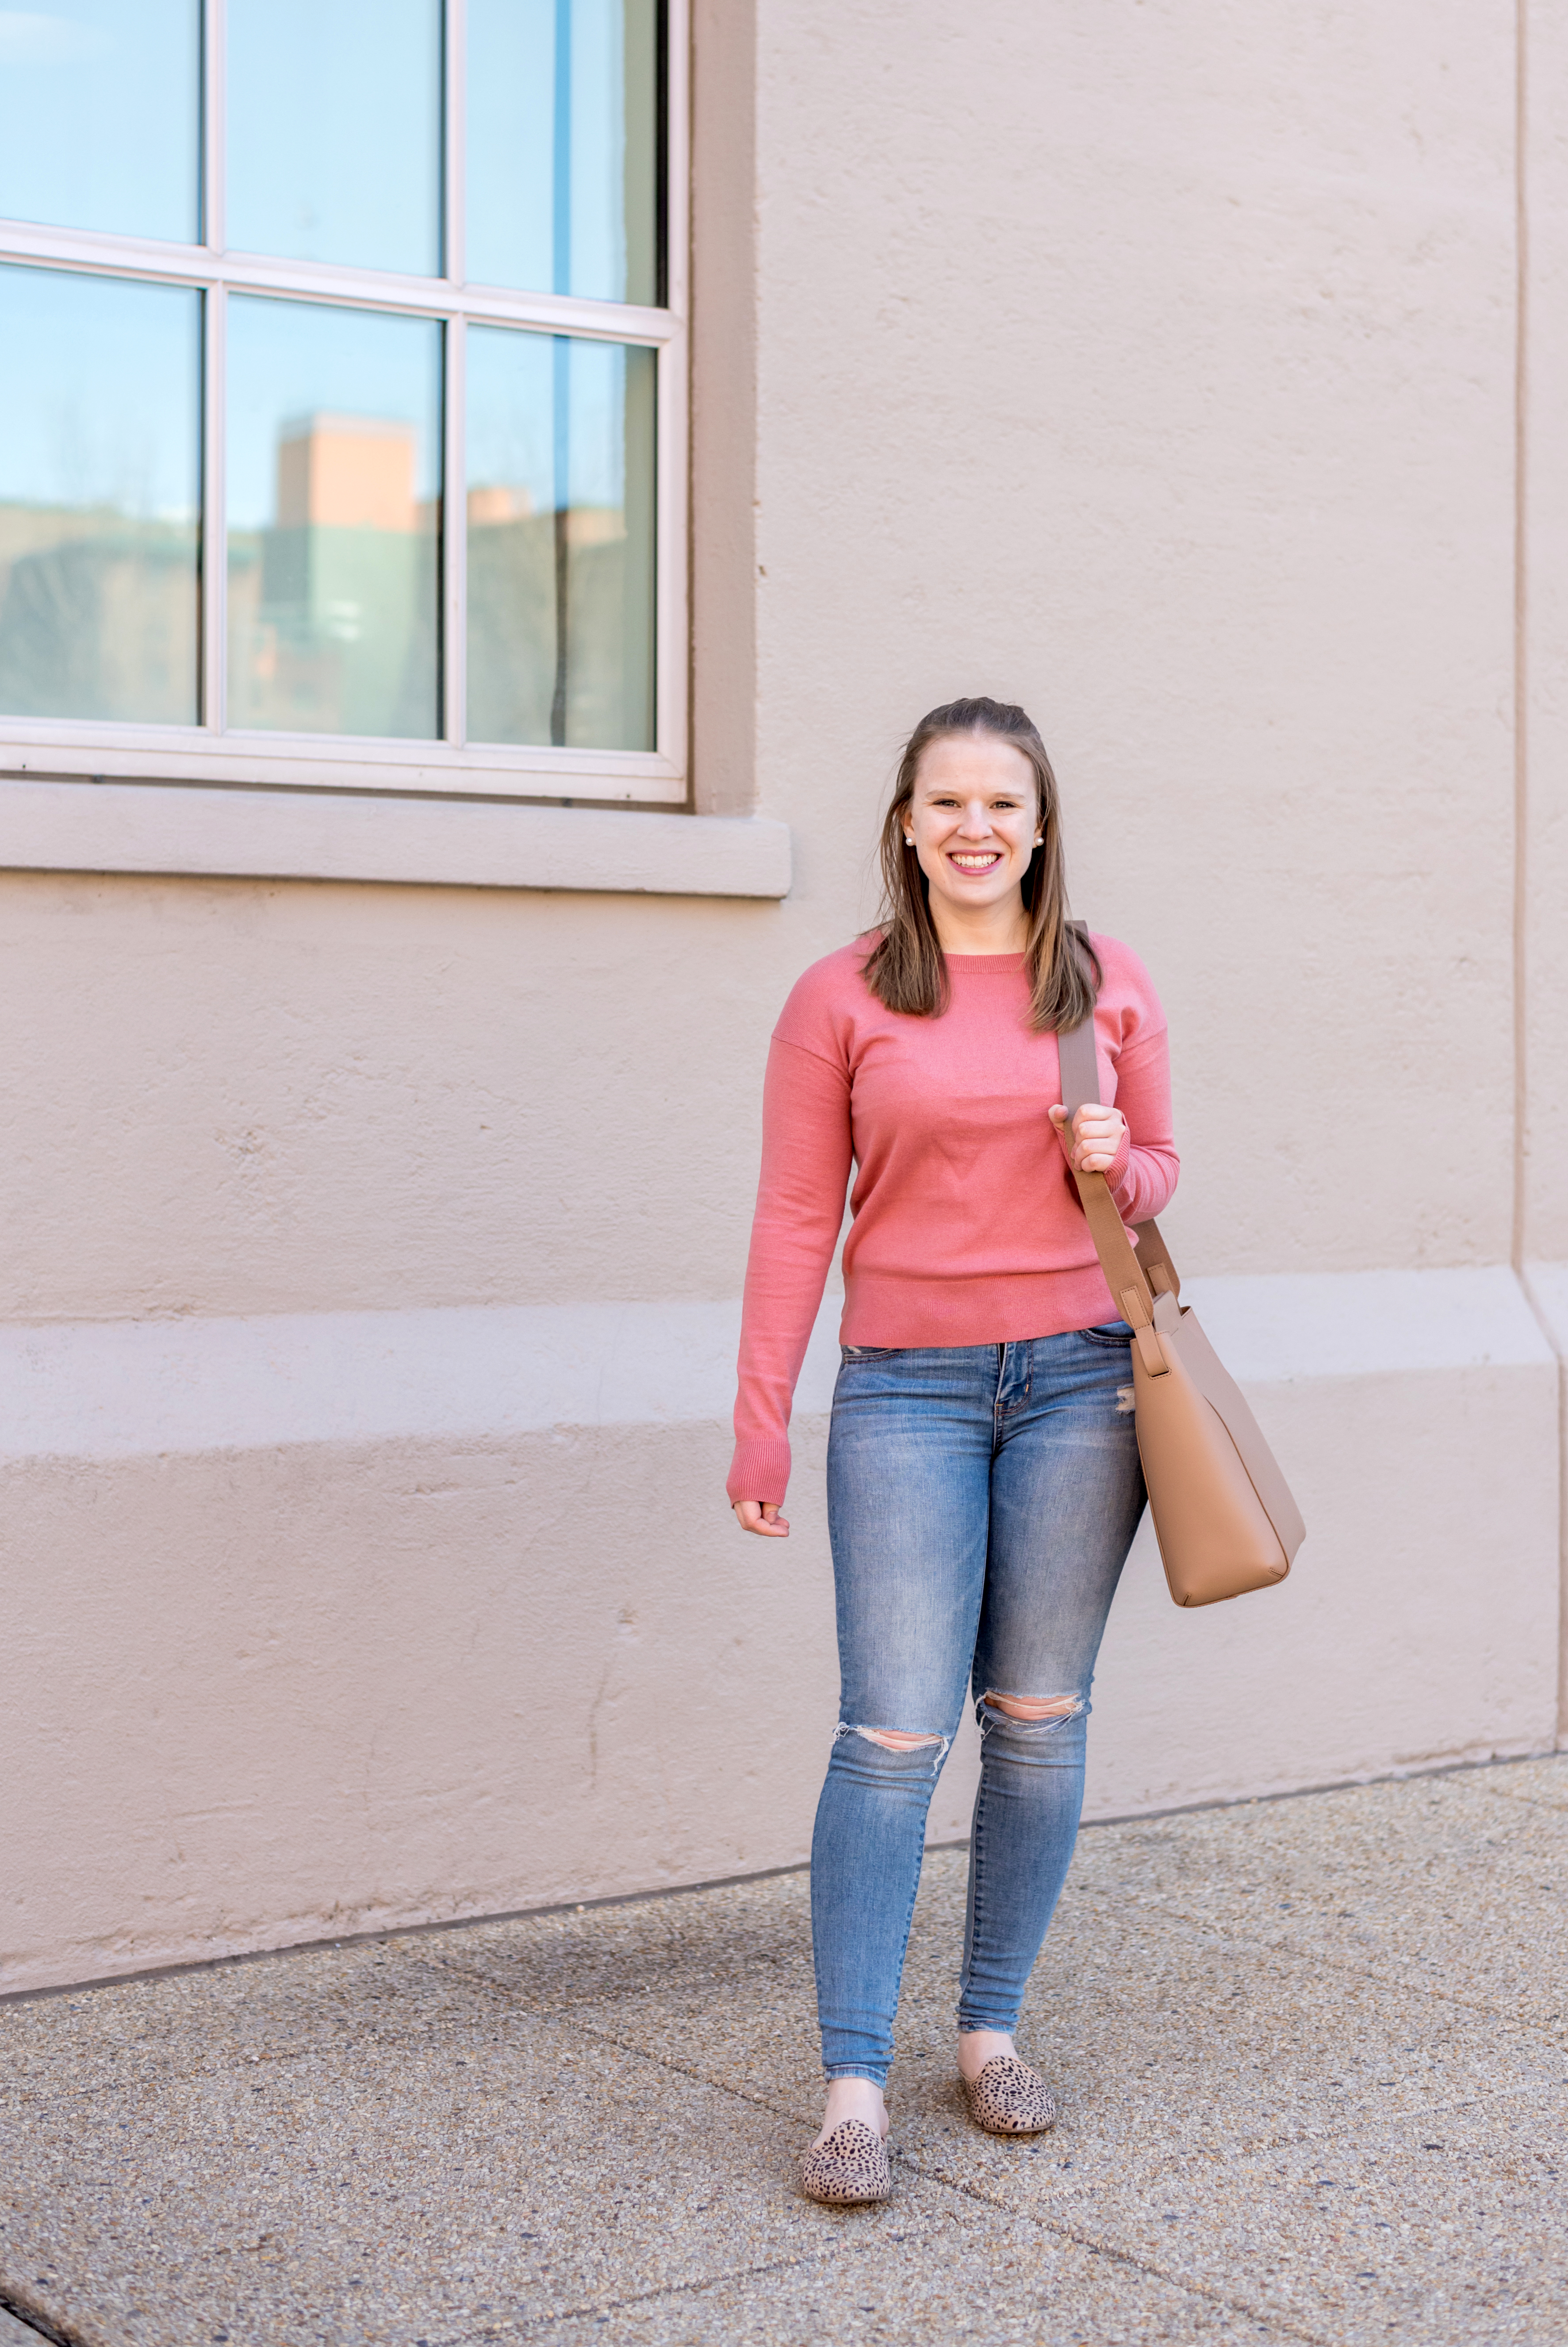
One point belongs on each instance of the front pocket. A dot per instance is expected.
(871, 1352)
(1109, 1333)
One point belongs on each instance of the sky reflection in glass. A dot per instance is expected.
(100, 116)
(562, 148)
(334, 132)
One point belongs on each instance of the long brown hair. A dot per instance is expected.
(906, 969)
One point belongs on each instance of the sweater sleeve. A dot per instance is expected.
(1142, 1178)
(807, 1155)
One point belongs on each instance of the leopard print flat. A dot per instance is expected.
(849, 2166)
(1009, 2098)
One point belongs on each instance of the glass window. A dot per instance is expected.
(562, 146)
(399, 310)
(99, 458)
(99, 117)
(334, 131)
(334, 484)
(561, 540)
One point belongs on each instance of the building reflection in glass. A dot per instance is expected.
(333, 584)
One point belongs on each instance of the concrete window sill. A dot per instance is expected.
(60, 825)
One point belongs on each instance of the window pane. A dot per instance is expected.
(563, 147)
(561, 540)
(99, 487)
(100, 116)
(334, 438)
(334, 131)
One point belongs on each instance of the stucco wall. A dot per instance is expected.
(1154, 365)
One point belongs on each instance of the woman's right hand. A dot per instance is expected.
(762, 1516)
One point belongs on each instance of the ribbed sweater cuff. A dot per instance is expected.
(1116, 1173)
(761, 1471)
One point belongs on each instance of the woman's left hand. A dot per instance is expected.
(1095, 1139)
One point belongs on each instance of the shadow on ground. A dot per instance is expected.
(1310, 2056)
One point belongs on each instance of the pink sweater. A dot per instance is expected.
(967, 1229)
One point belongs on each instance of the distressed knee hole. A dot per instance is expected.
(1023, 1706)
(896, 1739)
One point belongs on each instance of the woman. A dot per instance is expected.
(982, 1467)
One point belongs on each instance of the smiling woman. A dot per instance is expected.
(983, 1474)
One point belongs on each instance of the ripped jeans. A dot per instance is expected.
(981, 1501)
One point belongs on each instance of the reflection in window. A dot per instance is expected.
(561, 540)
(333, 476)
(99, 125)
(334, 131)
(562, 146)
(321, 591)
(100, 456)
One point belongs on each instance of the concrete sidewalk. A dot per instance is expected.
(1310, 2057)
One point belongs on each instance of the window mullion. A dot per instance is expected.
(614, 322)
(677, 154)
(454, 243)
(454, 538)
(214, 324)
(454, 497)
(669, 598)
(214, 29)
(214, 531)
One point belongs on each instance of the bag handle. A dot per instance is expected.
(1136, 1278)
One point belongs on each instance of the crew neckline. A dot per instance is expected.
(1003, 964)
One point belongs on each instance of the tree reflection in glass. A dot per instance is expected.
(99, 489)
(561, 540)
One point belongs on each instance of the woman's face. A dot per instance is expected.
(975, 819)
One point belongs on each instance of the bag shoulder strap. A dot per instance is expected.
(1134, 1277)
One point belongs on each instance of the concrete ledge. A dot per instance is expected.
(1548, 1287)
(56, 826)
(324, 1622)
(117, 1389)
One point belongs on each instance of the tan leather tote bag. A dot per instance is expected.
(1222, 1511)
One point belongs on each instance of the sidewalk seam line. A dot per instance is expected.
(1365, 1971)
(42, 2324)
(522, 2324)
(1046, 2224)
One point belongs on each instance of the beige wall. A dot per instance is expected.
(236, 1097)
(1546, 644)
(1155, 364)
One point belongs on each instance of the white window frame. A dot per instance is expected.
(210, 753)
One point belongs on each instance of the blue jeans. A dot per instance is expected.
(981, 1501)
